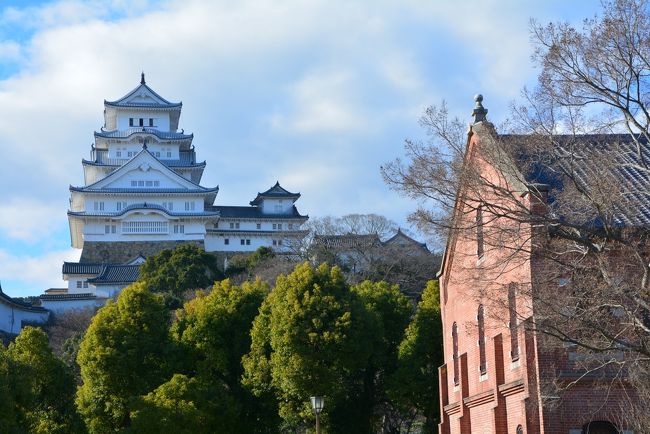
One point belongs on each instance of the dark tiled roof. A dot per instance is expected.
(254, 212)
(146, 190)
(146, 206)
(612, 159)
(20, 304)
(124, 134)
(142, 86)
(275, 192)
(399, 234)
(170, 163)
(61, 297)
(347, 241)
(255, 232)
(112, 274)
(81, 268)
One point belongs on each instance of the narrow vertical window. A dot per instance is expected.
(512, 313)
(454, 339)
(479, 232)
(480, 317)
(151, 122)
(141, 122)
(130, 122)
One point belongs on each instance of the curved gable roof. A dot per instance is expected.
(144, 157)
(275, 192)
(143, 96)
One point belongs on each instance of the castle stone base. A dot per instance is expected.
(120, 252)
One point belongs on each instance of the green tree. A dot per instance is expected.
(185, 405)
(415, 384)
(389, 312)
(8, 406)
(215, 332)
(308, 339)
(172, 272)
(40, 386)
(124, 354)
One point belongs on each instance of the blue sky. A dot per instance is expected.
(316, 94)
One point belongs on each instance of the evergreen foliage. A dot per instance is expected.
(415, 384)
(172, 272)
(36, 388)
(124, 354)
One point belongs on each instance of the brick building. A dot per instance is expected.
(497, 371)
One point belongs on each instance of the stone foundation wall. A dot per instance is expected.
(119, 252)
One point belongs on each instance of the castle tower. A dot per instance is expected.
(142, 194)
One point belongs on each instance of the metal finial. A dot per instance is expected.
(479, 113)
(142, 78)
(144, 143)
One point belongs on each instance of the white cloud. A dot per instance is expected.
(34, 273)
(10, 51)
(320, 102)
(30, 220)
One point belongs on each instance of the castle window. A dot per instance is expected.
(454, 339)
(259, 226)
(242, 241)
(232, 226)
(479, 232)
(79, 283)
(157, 154)
(275, 226)
(85, 284)
(179, 229)
(151, 122)
(98, 206)
(248, 242)
(226, 241)
(480, 317)
(512, 312)
(189, 206)
(140, 183)
(118, 153)
(130, 122)
(236, 225)
(275, 242)
(141, 122)
(169, 155)
(279, 226)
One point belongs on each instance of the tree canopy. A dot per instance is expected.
(125, 353)
(172, 272)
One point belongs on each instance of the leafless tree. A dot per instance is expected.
(569, 196)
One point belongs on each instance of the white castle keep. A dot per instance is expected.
(142, 194)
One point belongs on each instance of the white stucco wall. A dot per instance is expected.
(276, 206)
(58, 306)
(161, 119)
(12, 317)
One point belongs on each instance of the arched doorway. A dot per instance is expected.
(600, 427)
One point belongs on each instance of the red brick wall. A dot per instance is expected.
(510, 393)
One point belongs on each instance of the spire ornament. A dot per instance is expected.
(479, 113)
(142, 78)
